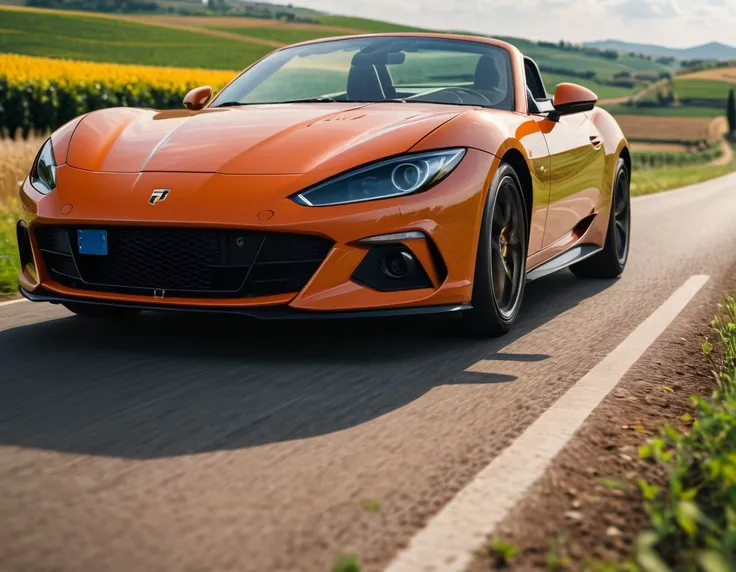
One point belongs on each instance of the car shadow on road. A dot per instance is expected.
(168, 385)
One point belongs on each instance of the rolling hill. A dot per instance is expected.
(710, 51)
(98, 38)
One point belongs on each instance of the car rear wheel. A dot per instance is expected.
(500, 269)
(107, 313)
(611, 261)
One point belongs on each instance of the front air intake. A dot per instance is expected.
(184, 262)
(25, 252)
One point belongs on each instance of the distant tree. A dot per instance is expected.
(97, 5)
(610, 54)
(217, 5)
(731, 113)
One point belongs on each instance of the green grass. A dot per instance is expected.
(346, 563)
(366, 25)
(498, 553)
(370, 505)
(648, 181)
(702, 89)
(91, 38)
(281, 34)
(684, 111)
(9, 264)
(692, 518)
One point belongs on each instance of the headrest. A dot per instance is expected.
(364, 84)
(487, 73)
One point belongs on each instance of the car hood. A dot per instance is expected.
(251, 140)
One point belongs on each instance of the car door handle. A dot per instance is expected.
(596, 141)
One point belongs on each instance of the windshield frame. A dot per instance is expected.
(515, 86)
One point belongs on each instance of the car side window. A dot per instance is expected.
(534, 80)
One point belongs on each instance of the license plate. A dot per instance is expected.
(92, 242)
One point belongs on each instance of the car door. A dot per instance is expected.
(577, 161)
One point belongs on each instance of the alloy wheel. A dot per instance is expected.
(507, 248)
(621, 217)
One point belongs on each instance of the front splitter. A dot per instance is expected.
(270, 313)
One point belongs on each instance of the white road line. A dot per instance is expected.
(447, 542)
(12, 302)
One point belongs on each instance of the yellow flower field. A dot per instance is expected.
(40, 94)
(19, 69)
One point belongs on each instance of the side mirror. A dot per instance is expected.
(198, 98)
(572, 98)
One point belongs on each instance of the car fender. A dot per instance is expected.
(498, 132)
(614, 142)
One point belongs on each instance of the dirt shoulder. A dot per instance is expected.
(587, 505)
(727, 155)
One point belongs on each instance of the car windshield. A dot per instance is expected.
(377, 69)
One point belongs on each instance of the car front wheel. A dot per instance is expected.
(500, 270)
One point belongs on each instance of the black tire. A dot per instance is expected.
(611, 261)
(500, 267)
(107, 313)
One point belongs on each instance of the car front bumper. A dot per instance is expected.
(447, 216)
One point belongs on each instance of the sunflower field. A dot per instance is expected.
(41, 94)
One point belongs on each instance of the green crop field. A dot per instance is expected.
(683, 111)
(551, 80)
(691, 88)
(103, 39)
(366, 25)
(283, 34)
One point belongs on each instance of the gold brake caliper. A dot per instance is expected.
(503, 242)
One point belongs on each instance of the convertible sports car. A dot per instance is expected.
(366, 175)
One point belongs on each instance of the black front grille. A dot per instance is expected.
(184, 262)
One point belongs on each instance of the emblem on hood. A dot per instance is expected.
(158, 195)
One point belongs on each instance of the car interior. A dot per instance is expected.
(369, 79)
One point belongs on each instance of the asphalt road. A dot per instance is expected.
(221, 444)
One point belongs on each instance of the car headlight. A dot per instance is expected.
(43, 173)
(392, 178)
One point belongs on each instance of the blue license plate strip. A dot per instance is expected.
(92, 242)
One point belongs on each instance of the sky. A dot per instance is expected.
(673, 23)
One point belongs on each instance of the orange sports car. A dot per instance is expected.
(359, 176)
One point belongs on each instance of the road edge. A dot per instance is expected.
(449, 539)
